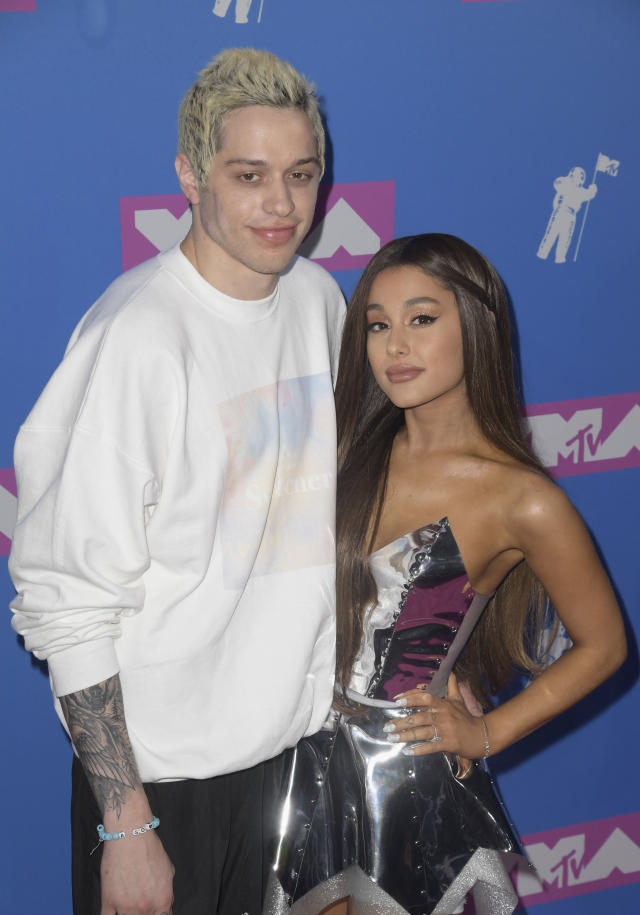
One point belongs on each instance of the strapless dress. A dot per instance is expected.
(397, 833)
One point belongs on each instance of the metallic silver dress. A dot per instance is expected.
(397, 833)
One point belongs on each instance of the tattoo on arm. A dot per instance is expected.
(95, 717)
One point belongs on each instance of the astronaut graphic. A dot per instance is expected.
(242, 9)
(570, 195)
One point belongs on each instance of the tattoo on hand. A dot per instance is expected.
(95, 717)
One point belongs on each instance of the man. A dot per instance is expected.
(174, 550)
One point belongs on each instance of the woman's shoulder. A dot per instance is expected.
(511, 511)
(522, 493)
(529, 499)
(501, 472)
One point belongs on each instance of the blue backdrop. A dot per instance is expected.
(487, 119)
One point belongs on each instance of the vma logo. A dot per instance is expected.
(352, 222)
(151, 224)
(8, 508)
(586, 436)
(580, 859)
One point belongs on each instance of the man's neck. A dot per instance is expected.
(239, 283)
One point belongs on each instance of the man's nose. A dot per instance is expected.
(279, 199)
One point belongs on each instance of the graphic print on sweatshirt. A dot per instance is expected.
(280, 478)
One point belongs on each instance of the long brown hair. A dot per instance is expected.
(508, 635)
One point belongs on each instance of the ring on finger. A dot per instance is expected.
(435, 738)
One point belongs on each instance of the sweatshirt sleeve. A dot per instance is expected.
(89, 463)
(340, 313)
(335, 310)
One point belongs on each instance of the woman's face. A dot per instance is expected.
(414, 338)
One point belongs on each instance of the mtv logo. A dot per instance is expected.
(151, 224)
(574, 860)
(352, 222)
(8, 508)
(585, 436)
(17, 6)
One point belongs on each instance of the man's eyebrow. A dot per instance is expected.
(256, 162)
(261, 163)
(308, 161)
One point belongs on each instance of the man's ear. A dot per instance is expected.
(187, 179)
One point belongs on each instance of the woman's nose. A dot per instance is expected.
(397, 342)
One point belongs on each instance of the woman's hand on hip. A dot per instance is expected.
(436, 725)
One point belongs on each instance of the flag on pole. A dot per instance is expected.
(607, 165)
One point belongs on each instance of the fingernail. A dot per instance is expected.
(401, 701)
(389, 727)
(408, 751)
(398, 696)
(394, 738)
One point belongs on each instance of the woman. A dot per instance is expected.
(450, 534)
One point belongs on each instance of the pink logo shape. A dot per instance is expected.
(579, 859)
(351, 223)
(17, 6)
(151, 224)
(8, 494)
(590, 435)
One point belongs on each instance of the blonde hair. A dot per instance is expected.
(237, 78)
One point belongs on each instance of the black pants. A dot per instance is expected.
(218, 833)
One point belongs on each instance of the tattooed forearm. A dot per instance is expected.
(95, 717)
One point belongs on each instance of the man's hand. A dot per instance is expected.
(136, 873)
(136, 877)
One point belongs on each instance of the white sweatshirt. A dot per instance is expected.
(176, 485)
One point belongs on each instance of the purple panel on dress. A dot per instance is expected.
(435, 614)
(446, 602)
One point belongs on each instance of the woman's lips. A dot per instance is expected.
(399, 373)
(275, 235)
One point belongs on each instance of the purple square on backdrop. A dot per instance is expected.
(151, 224)
(352, 222)
(8, 493)
(17, 6)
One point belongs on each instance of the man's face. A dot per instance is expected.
(259, 199)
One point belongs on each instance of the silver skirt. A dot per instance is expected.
(397, 833)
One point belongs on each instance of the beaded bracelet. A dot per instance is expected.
(107, 836)
(487, 747)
